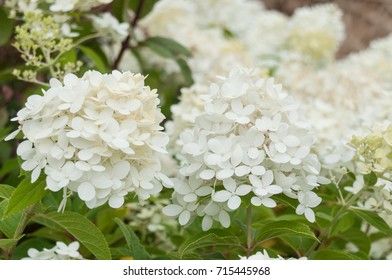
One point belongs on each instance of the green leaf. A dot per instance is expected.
(333, 255)
(6, 243)
(284, 228)
(210, 238)
(83, 230)
(9, 166)
(166, 47)
(359, 238)
(8, 225)
(133, 242)
(286, 200)
(22, 248)
(344, 223)
(6, 191)
(370, 179)
(186, 71)
(373, 219)
(7, 26)
(25, 194)
(98, 61)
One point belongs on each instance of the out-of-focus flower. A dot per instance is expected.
(316, 32)
(265, 256)
(110, 27)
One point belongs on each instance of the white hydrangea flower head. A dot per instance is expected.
(181, 21)
(265, 256)
(110, 27)
(316, 31)
(98, 135)
(60, 251)
(250, 140)
(69, 5)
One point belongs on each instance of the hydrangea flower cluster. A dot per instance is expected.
(110, 27)
(316, 32)
(98, 135)
(59, 252)
(249, 141)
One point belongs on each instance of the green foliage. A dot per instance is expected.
(275, 229)
(7, 26)
(82, 229)
(334, 255)
(25, 195)
(210, 238)
(138, 252)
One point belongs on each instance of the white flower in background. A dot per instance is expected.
(98, 135)
(250, 140)
(316, 32)
(265, 256)
(69, 5)
(110, 27)
(59, 252)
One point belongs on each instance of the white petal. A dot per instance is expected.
(134, 105)
(229, 184)
(224, 219)
(243, 190)
(120, 143)
(121, 169)
(268, 202)
(225, 173)
(300, 209)
(236, 157)
(184, 217)
(191, 148)
(83, 166)
(24, 147)
(221, 196)
(12, 135)
(280, 147)
(207, 174)
(101, 182)
(215, 145)
(172, 210)
(234, 202)
(206, 224)
(35, 174)
(291, 141)
(242, 170)
(256, 201)
(255, 181)
(268, 178)
(191, 197)
(274, 189)
(86, 191)
(258, 170)
(85, 154)
(309, 215)
(116, 201)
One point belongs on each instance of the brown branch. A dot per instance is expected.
(125, 43)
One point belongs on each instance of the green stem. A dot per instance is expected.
(249, 231)
(28, 213)
(323, 236)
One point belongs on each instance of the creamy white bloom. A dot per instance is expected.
(69, 5)
(98, 135)
(110, 27)
(250, 140)
(316, 32)
(60, 251)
